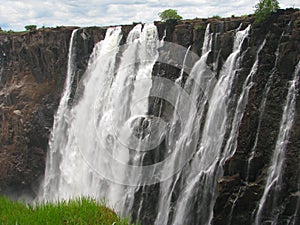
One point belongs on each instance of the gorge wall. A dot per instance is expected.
(33, 69)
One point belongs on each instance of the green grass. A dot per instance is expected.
(83, 211)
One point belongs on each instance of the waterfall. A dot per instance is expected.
(92, 152)
(134, 74)
(179, 79)
(59, 134)
(96, 159)
(206, 165)
(66, 175)
(274, 179)
(262, 107)
(2, 56)
(104, 145)
(238, 115)
(240, 108)
(190, 128)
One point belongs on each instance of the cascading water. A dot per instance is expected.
(179, 79)
(60, 179)
(262, 106)
(189, 129)
(206, 165)
(274, 179)
(75, 178)
(2, 56)
(134, 74)
(96, 122)
(101, 146)
(238, 115)
(59, 134)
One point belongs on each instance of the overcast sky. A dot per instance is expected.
(15, 14)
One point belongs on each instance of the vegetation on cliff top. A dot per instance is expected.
(30, 27)
(79, 211)
(169, 14)
(264, 9)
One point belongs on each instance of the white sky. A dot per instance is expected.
(15, 14)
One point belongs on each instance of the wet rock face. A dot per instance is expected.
(240, 190)
(33, 67)
(242, 195)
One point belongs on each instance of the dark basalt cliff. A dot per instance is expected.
(33, 67)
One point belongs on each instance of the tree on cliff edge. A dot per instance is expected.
(30, 27)
(264, 8)
(169, 14)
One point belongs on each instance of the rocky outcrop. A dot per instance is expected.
(33, 66)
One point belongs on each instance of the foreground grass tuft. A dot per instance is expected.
(85, 211)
